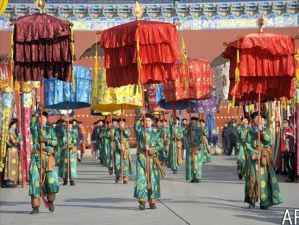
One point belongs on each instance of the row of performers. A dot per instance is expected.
(147, 189)
(111, 140)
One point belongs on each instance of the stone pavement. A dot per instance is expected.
(96, 199)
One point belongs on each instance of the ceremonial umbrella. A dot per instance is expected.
(140, 52)
(41, 47)
(59, 94)
(262, 67)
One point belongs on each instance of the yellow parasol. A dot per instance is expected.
(106, 99)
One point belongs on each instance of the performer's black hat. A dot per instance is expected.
(194, 118)
(150, 116)
(123, 119)
(255, 114)
(12, 122)
(114, 120)
(60, 121)
(184, 119)
(245, 117)
(202, 120)
(286, 120)
(45, 114)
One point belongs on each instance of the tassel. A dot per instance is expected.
(11, 59)
(297, 78)
(237, 71)
(251, 108)
(139, 64)
(73, 56)
(3, 6)
(183, 50)
(17, 86)
(44, 198)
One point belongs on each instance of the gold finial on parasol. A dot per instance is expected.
(40, 4)
(261, 23)
(138, 10)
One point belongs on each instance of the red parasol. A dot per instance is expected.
(259, 64)
(42, 48)
(140, 52)
(193, 82)
(265, 61)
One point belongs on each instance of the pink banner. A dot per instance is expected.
(26, 115)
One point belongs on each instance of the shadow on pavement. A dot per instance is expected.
(100, 207)
(101, 200)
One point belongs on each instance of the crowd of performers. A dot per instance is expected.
(165, 143)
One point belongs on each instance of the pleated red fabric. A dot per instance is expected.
(267, 66)
(158, 52)
(42, 48)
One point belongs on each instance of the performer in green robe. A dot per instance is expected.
(163, 157)
(109, 144)
(122, 154)
(142, 191)
(64, 159)
(176, 145)
(195, 152)
(49, 184)
(207, 155)
(270, 194)
(243, 130)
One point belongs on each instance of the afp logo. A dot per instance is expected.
(289, 218)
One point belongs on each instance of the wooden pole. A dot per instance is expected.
(148, 171)
(19, 116)
(122, 148)
(67, 143)
(259, 147)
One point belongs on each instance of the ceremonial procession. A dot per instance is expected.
(149, 112)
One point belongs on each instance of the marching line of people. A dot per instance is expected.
(159, 144)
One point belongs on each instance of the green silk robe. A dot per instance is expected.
(154, 140)
(207, 155)
(194, 159)
(63, 164)
(241, 158)
(270, 194)
(50, 183)
(124, 143)
(175, 147)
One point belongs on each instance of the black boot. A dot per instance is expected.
(153, 206)
(72, 182)
(192, 181)
(35, 210)
(64, 182)
(51, 206)
(263, 207)
(142, 206)
(116, 180)
(240, 176)
(197, 180)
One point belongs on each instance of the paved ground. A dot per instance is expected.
(218, 199)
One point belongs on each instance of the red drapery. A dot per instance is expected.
(194, 83)
(266, 62)
(158, 52)
(42, 48)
